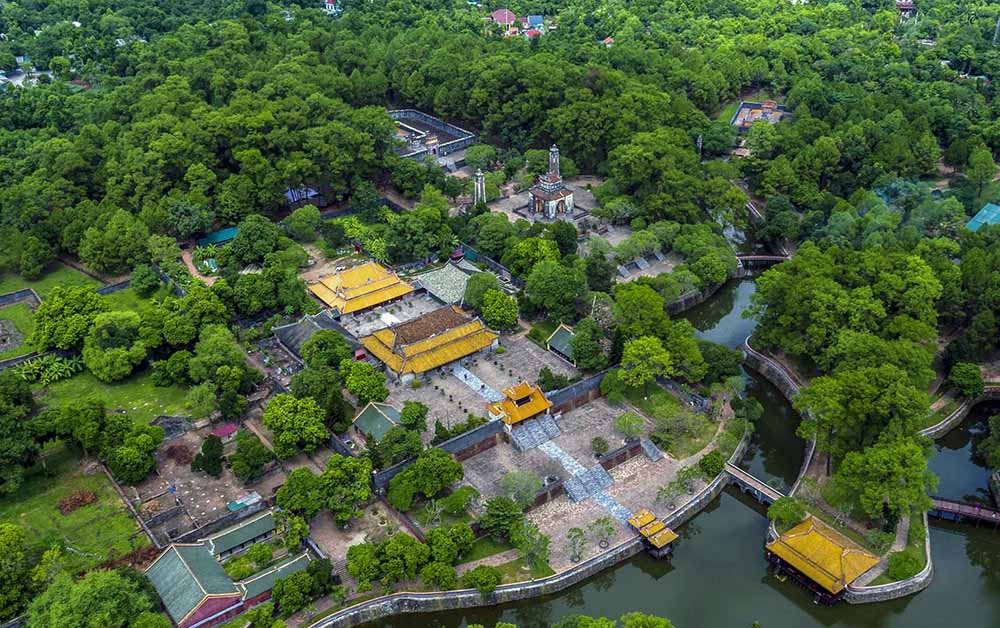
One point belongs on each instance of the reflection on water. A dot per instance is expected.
(961, 473)
(720, 319)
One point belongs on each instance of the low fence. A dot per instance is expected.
(115, 287)
(11, 362)
(28, 294)
(498, 268)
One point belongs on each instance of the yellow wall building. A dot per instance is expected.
(359, 288)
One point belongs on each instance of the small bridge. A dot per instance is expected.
(761, 491)
(952, 510)
(760, 260)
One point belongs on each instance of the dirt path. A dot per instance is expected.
(491, 561)
(188, 256)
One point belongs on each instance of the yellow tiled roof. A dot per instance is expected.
(429, 353)
(658, 534)
(510, 412)
(360, 288)
(641, 518)
(822, 554)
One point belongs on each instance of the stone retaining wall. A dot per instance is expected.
(895, 590)
(400, 603)
(990, 393)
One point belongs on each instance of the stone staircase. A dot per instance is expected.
(470, 379)
(548, 424)
(651, 450)
(534, 432)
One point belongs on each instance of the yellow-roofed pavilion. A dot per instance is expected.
(520, 403)
(815, 551)
(359, 288)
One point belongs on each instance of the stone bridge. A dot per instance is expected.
(761, 491)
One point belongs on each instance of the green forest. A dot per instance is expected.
(140, 128)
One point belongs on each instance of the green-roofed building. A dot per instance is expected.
(238, 538)
(194, 587)
(219, 237)
(375, 420)
(560, 343)
(988, 215)
(261, 583)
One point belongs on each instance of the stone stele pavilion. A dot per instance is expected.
(550, 198)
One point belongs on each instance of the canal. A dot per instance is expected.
(718, 577)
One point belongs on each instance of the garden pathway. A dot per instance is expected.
(470, 379)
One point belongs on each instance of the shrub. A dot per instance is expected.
(439, 575)
(711, 464)
(903, 565)
(458, 501)
(500, 351)
(880, 540)
(599, 445)
(786, 511)
(483, 579)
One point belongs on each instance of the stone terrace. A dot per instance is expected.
(409, 307)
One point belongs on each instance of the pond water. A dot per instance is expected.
(718, 577)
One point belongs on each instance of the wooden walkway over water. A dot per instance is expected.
(952, 510)
(763, 492)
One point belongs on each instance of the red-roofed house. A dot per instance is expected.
(503, 17)
(532, 32)
(226, 431)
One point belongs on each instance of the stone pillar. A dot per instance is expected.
(479, 193)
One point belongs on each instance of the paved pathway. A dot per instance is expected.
(574, 468)
(470, 379)
(898, 545)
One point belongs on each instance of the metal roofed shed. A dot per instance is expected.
(219, 237)
(988, 215)
(376, 419)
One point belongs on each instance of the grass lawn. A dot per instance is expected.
(483, 547)
(727, 112)
(92, 530)
(129, 299)
(423, 518)
(681, 446)
(137, 395)
(541, 331)
(514, 571)
(24, 319)
(59, 276)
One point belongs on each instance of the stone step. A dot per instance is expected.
(616, 510)
(548, 425)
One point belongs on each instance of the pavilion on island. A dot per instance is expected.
(819, 558)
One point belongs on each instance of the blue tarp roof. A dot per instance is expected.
(988, 215)
(218, 237)
(535, 20)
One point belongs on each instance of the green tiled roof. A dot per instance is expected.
(376, 419)
(988, 215)
(184, 575)
(446, 283)
(218, 237)
(255, 585)
(250, 529)
(560, 341)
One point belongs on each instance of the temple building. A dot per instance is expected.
(520, 403)
(819, 558)
(656, 536)
(550, 198)
(429, 341)
(360, 288)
